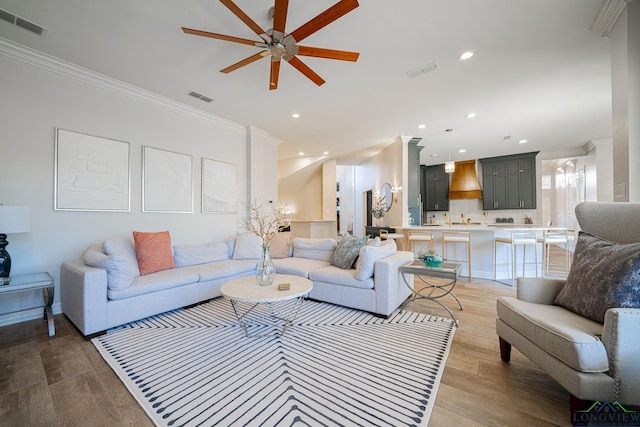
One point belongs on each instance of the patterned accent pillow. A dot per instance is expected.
(347, 251)
(603, 275)
(153, 251)
(247, 246)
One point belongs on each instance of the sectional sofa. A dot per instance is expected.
(110, 286)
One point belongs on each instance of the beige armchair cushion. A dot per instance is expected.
(567, 336)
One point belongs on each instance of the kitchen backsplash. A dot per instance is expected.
(472, 209)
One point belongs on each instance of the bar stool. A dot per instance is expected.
(554, 237)
(523, 238)
(398, 237)
(420, 236)
(457, 237)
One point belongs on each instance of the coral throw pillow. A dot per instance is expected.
(153, 251)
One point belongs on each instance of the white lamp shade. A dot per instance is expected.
(15, 219)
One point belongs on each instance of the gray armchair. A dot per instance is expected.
(593, 361)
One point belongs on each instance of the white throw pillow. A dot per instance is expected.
(123, 247)
(247, 246)
(120, 270)
(368, 257)
(279, 247)
(319, 249)
(200, 254)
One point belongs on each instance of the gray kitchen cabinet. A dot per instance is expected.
(435, 183)
(509, 182)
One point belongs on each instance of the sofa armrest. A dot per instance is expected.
(620, 338)
(539, 290)
(390, 291)
(83, 293)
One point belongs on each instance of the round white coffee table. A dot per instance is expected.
(247, 290)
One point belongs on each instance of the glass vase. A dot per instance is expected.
(265, 271)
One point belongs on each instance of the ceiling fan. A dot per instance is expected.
(280, 45)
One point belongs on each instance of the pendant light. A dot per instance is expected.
(450, 165)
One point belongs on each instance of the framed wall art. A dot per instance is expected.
(219, 187)
(91, 173)
(167, 181)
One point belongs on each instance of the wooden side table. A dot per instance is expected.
(27, 282)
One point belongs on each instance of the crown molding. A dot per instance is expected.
(52, 64)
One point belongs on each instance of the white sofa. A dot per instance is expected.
(110, 290)
(593, 359)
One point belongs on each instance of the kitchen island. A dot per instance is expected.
(482, 247)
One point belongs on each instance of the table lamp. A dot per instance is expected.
(13, 219)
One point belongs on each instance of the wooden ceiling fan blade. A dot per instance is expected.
(325, 18)
(280, 15)
(245, 18)
(304, 69)
(320, 52)
(275, 73)
(246, 61)
(222, 37)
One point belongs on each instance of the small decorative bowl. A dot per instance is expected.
(432, 260)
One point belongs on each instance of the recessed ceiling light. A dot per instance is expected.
(471, 115)
(422, 126)
(522, 141)
(434, 155)
(466, 55)
(295, 115)
(325, 153)
(462, 150)
(301, 153)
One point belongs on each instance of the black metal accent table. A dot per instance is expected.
(432, 291)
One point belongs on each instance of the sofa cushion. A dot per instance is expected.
(298, 266)
(221, 269)
(120, 270)
(319, 249)
(153, 251)
(247, 246)
(154, 282)
(123, 247)
(368, 257)
(200, 254)
(339, 276)
(347, 251)
(603, 275)
(280, 245)
(571, 338)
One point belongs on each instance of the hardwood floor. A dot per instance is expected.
(63, 381)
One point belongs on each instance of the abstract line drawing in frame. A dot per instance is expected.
(91, 173)
(219, 187)
(167, 181)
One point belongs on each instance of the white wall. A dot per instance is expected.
(40, 93)
(387, 166)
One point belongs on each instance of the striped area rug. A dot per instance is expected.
(334, 367)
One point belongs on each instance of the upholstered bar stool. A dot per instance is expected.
(398, 237)
(558, 238)
(523, 238)
(463, 237)
(416, 236)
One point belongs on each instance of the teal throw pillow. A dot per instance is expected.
(347, 251)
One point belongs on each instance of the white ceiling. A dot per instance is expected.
(538, 72)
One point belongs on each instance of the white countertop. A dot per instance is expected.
(478, 227)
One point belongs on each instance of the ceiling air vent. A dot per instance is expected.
(199, 96)
(23, 23)
(431, 66)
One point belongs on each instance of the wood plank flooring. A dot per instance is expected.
(63, 381)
